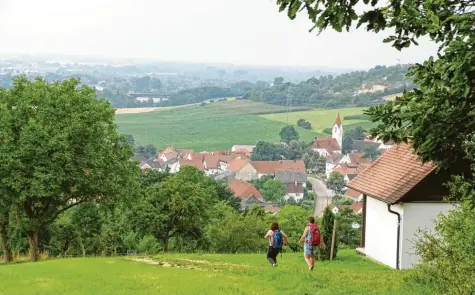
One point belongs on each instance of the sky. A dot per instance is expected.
(241, 32)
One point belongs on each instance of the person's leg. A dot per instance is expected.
(275, 252)
(270, 256)
(307, 255)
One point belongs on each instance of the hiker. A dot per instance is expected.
(313, 238)
(277, 239)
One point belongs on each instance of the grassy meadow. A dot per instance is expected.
(206, 274)
(214, 126)
(323, 118)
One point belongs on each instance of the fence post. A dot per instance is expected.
(333, 239)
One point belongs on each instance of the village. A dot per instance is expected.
(237, 168)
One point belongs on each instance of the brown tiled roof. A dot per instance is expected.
(352, 193)
(292, 188)
(270, 167)
(338, 120)
(356, 207)
(357, 158)
(243, 189)
(195, 163)
(212, 161)
(168, 156)
(393, 175)
(237, 164)
(326, 142)
(185, 152)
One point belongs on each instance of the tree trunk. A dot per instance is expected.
(7, 251)
(165, 244)
(33, 242)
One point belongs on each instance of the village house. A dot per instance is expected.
(247, 192)
(400, 196)
(333, 160)
(356, 208)
(246, 149)
(328, 145)
(294, 181)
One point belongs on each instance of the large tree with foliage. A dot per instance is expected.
(60, 148)
(273, 191)
(326, 228)
(336, 182)
(176, 207)
(288, 134)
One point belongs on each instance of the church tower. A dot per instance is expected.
(337, 131)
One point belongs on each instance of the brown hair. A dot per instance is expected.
(274, 226)
(311, 220)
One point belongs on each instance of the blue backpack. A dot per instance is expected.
(277, 239)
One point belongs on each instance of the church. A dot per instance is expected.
(329, 145)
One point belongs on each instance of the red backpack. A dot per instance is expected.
(313, 235)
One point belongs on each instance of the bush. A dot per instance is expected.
(357, 117)
(448, 256)
(328, 131)
(211, 101)
(149, 245)
(203, 104)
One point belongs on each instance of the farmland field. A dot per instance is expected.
(324, 118)
(214, 126)
(206, 274)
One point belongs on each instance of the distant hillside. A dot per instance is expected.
(362, 88)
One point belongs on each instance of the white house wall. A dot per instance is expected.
(417, 216)
(381, 231)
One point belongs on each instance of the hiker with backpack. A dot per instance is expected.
(277, 239)
(313, 238)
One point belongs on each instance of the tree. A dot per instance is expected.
(314, 162)
(350, 136)
(130, 140)
(327, 232)
(266, 151)
(434, 115)
(278, 81)
(5, 207)
(177, 206)
(336, 182)
(342, 200)
(349, 232)
(61, 149)
(371, 153)
(288, 133)
(304, 124)
(273, 191)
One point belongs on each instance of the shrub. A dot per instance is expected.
(149, 245)
(327, 231)
(357, 117)
(203, 104)
(327, 130)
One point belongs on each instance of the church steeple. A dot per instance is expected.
(338, 120)
(337, 131)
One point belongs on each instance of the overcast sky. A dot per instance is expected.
(249, 32)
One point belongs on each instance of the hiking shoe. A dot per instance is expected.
(274, 265)
(310, 268)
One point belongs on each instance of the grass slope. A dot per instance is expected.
(214, 126)
(324, 118)
(212, 274)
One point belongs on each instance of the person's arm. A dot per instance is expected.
(302, 238)
(268, 235)
(286, 239)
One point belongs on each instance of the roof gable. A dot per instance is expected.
(244, 189)
(393, 175)
(327, 143)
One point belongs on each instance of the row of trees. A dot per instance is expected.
(330, 91)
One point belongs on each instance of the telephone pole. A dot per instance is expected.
(289, 102)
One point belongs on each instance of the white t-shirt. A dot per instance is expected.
(270, 234)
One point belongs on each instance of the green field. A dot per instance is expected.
(322, 119)
(206, 274)
(214, 126)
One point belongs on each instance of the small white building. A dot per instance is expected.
(400, 196)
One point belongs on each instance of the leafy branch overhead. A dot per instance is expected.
(439, 114)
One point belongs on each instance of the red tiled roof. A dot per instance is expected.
(269, 167)
(243, 189)
(326, 142)
(198, 163)
(356, 207)
(338, 120)
(393, 175)
(237, 164)
(357, 158)
(292, 188)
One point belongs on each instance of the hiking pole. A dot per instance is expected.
(333, 239)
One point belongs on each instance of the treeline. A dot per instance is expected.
(350, 89)
(183, 212)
